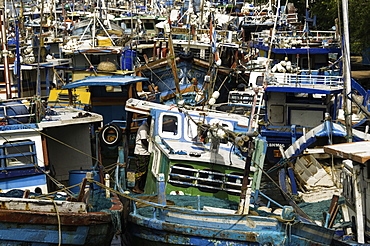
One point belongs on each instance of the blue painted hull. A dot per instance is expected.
(26, 234)
(182, 226)
(152, 232)
(27, 227)
(144, 236)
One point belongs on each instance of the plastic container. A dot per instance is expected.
(128, 58)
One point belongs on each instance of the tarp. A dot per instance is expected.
(114, 80)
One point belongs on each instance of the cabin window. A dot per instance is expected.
(169, 125)
(333, 56)
(128, 25)
(18, 153)
(259, 80)
(94, 59)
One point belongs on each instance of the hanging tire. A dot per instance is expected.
(110, 135)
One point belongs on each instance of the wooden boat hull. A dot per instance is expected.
(158, 232)
(20, 227)
(184, 226)
(13, 233)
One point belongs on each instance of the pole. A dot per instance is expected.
(4, 46)
(18, 58)
(347, 72)
(243, 207)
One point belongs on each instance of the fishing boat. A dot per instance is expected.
(282, 106)
(295, 80)
(291, 87)
(38, 145)
(320, 172)
(45, 196)
(308, 174)
(106, 96)
(56, 221)
(203, 185)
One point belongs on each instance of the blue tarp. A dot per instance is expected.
(113, 80)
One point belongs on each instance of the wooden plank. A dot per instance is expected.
(42, 205)
(333, 210)
(356, 151)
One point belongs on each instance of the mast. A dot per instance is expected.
(272, 37)
(4, 46)
(41, 44)
(17, 62)
(346, 72)
(171, 60)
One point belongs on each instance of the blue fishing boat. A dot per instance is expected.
(307, 173)
(45, 157)
(53, 220)
(106, 95)
(296, 79)
(35, 145)
(203, 185)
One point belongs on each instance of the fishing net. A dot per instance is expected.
(315, 210)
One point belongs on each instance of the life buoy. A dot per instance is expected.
(110, 135)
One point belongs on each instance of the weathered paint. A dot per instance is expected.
(77, 228)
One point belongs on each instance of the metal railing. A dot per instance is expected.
(206, 179)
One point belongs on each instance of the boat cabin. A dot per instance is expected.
(34, 153)
(194, 159)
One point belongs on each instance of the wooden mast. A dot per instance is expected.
(171, 59)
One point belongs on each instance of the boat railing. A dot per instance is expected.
(258, 19)
(287, 79)
(290, 38)
(316, 35)
(205, 179)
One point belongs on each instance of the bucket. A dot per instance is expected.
(76, 176)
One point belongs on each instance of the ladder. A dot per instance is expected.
(258, 103)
